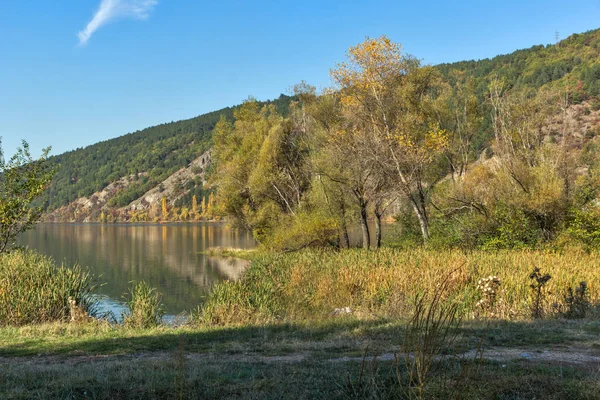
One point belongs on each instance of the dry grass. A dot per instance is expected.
(313, 283)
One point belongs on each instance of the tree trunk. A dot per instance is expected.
(344, 226)
(423, 222)
(377, 228)
(366, 237)
(345, 233)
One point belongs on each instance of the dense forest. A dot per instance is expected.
(129, 166)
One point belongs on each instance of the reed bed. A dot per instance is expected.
(313, 284)
(33, 289)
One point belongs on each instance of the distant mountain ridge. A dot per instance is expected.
(132, 172)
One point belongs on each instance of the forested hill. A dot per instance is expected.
(570, 67)
(573, 63)
(148, 156)
(121, 170)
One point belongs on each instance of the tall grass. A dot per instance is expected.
(312, 283)
(145, 307)
(33, 289)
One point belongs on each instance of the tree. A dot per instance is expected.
(392, 100)
(165, 210)
(462, 118)
(210, 208)
(153, 212)
(22, 180)
(522, 194)
(261, 170)
(185, 214)
(194, 206)
(203, 207)
(343, 159)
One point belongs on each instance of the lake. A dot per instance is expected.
(166, 256)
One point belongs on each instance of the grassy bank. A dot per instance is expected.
(312, 284)
(276, 334)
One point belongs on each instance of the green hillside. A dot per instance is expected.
(570, 67)
(573, 65)
(158, 152)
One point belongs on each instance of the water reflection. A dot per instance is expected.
(166, 256)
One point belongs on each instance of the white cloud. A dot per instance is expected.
(110, 10)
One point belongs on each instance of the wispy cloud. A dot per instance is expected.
(110, 10)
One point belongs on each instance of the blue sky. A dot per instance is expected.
(155, 61)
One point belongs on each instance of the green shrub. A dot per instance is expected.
(33, 289)
(584, 227)
(408, 234)
(145, 307)
(513, 229)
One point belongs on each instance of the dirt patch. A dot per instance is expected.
(571, 356)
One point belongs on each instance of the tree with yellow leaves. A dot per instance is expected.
(203, 207)
(185, 214)
(392, 102)
(165, 211)
(344, 161)
(210, 207)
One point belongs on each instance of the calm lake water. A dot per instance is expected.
(166, 256)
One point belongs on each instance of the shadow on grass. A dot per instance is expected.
(119, 340)
(339, 335)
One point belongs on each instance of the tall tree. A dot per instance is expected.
(194, 206)
(260, 168)
(389, 97)
(165, 210)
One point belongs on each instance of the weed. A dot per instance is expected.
(577, 301)
(428, 354)
(369, 384)
(431, 331)
(488, 291)
(145, 307)
(311, 284)
(538, 282)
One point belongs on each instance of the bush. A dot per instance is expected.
(33, 289)
(22, 180)
(305, 230)
(584, 227)
(145, 307)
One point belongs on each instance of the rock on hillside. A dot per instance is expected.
(173, 187)
(96, 207)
